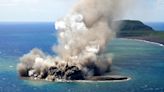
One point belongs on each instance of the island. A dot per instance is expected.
(134, 29)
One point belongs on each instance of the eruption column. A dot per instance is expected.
(83, 36)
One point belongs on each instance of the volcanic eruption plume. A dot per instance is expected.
(83, 35)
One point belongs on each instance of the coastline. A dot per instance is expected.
(151, 40)
(109, 78)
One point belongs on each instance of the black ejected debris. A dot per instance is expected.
(69, 73)
(73, 73)
(56, 72)
(44, 74)
(23, 72)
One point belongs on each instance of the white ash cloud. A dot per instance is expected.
(83, 35)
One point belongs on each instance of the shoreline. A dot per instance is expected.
(111, 78)
(150, 40)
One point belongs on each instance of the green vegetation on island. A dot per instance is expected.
(137, 30)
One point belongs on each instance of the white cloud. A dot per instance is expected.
(152, 11)
(49, 10)
(17, 2)
(160, 5)
(33, 10)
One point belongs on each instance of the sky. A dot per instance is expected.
(50, 10)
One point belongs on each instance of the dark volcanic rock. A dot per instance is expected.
(73, 73)
(70, 73)
(52, 70)
(43, 74)
(59, 74)
(23, 72)
(56, 72)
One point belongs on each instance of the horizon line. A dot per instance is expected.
(54, 21)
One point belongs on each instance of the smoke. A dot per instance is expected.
(83, 36)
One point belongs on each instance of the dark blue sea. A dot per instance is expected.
(158, 26)
(143, 62)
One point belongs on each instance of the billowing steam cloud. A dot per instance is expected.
(82, 38)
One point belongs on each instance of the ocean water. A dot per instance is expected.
(159, 26)
(143, 62)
